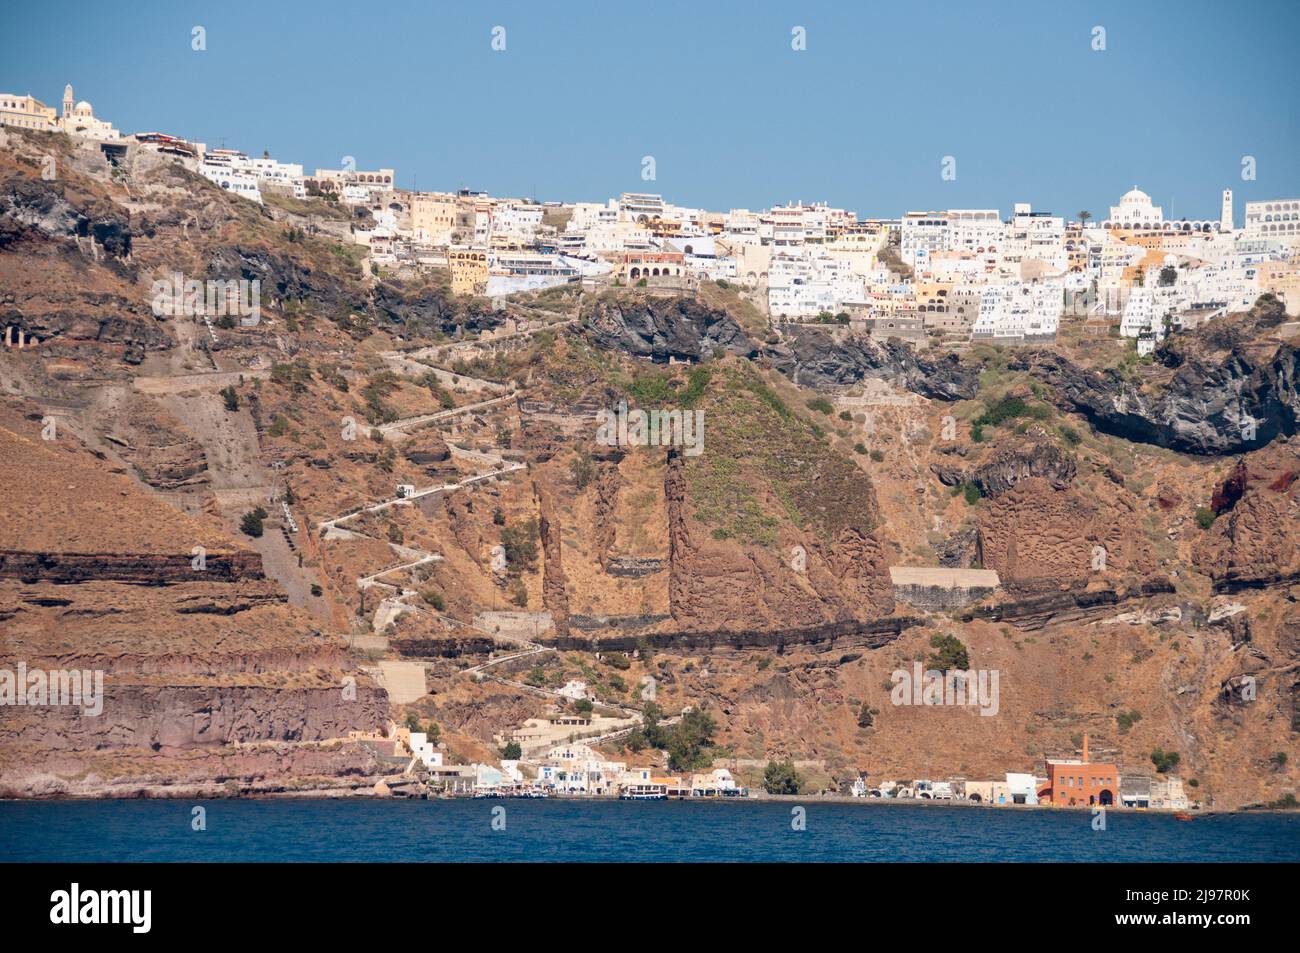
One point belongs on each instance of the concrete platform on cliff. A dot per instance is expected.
(941, 588)
(944, 577)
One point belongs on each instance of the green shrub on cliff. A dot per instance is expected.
(251, 523)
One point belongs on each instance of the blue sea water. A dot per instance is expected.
(555, 830)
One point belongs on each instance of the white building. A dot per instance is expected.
(79, 120)
(575, 688)
(640, 207)
(1015, 311)
(1139, 313)
(1135, 211)
(587, 215)
(923, 233)
(1036, 237)
(512, 272)
(1022, 788)
(801, 283)
(516, 220)
(1274, 218)
(701, 258)
(975, 231)
(222, 167)
(424, 750)
(268, 171)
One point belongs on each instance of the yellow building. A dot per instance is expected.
(433, 217)
(1282, 278)
(469, 270)
(27, 112)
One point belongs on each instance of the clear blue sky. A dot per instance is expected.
(733, 116)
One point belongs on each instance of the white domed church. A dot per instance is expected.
(79, 119)
(1136, 211)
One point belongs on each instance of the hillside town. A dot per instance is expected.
(934, 279)
(925, 277)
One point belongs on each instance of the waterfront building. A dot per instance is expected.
(1022, 788)
(1080, 781)
(422, 749)
(1135, 791)
(1167, 794)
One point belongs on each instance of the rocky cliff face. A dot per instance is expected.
(1009, 464)
(751, 579)
(1222, 390)
(1252, 543)
(812, 357)
(34, 210)
(187, 716)
(197, 651)
(661, 329)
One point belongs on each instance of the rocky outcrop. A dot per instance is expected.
(554, 583)
(805, 581)
(186, 716)
(428, 451)
(957, 550)
(1008, 465)
(1038, 538)
(34, 209)
(812, 357)
(661, 329)
(61, 319)
(1220, 405)
(872, 634)
(1066, 605)
(284, 278)
(147, 568)
(1252, 542)
(432, 308)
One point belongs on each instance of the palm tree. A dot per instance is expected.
(1084, 216)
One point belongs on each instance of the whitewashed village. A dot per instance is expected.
(924, 276)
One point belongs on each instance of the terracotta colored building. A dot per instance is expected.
(1076, 782)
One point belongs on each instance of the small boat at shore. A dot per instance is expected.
(1184, 816)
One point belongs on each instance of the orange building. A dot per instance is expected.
(1074, 782)
(652, 264)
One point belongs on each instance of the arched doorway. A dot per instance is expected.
(1105, 797)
